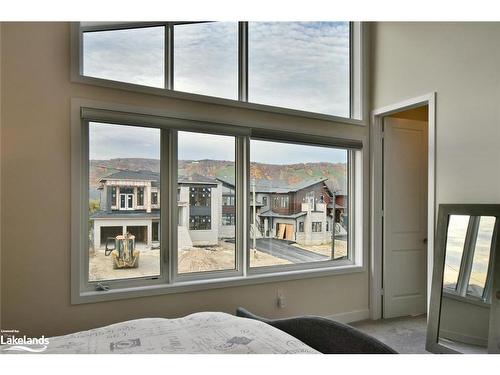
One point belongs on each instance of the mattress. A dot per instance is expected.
(200, 333)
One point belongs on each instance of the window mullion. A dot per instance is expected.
(170, 155)
(468, 255)
(243, 61)
(169, 56)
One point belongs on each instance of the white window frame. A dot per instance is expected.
(169, 281)
(358, 72)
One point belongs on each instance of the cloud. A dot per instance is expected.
(133, 55)
(300, 65)
(108, 141)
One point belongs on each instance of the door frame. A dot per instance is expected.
(377, 117)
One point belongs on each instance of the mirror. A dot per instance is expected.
(461, 317)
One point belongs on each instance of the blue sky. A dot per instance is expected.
(301, 65)
(108, 141)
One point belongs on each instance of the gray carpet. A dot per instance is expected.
(405, 335)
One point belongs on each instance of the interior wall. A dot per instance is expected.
(35, 161)
(459, 61)
(1, 175)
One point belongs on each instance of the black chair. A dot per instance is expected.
(325, 335)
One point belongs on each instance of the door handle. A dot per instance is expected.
(425, 241)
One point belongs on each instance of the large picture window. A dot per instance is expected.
(171, 205)
(311, 68)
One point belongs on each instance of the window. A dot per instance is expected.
(264, 201)
(130, 55)
(467, 270)
(457, 228)
(293, 173)
(228, 219)
(119, 246)
(126, 242)
(481, 257)
(154, 198)
(199, 222)
(204, 160)
(281, 201)
(316, 226)
(140, 196)
(228, 200)
(206, 58)
(200, 196)
(314, 67)
(312, 59)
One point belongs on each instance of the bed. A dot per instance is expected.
(213, 332)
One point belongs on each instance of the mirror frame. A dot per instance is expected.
(433, 321)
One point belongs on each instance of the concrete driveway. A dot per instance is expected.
(283, 249)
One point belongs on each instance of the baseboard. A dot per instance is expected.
(351, 316)
(460, 337)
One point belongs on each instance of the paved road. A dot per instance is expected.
(284, 250)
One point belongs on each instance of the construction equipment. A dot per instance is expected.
(122, 251)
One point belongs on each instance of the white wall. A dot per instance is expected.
(460, 62)
(36, 272)
(1, 196)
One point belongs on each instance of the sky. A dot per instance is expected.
(457, 229)
(301, 65)
(107, 141)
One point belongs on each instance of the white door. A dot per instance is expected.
(405, 218)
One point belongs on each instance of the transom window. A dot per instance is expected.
(314, 67)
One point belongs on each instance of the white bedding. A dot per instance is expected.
(205, 332)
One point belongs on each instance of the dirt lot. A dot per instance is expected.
(195, 260)
(326, 249)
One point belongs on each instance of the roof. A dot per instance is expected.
(196, 178)
(132, 175)
(122, 214)
(270, 213)
(282, 187)
(154, 177)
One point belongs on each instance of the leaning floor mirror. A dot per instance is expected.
(464, 311)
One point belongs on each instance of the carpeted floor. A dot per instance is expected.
(405, 335)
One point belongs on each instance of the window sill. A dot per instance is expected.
(107, 83)
(471, 300)
(197, 285)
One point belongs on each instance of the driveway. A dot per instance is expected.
(285, 250)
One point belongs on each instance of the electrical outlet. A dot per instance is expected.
(280, 299)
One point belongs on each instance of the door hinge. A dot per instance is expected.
(382, 213)
(382, 291)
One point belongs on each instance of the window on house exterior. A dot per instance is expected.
(140, 196)
(264, 201)
(313, 61)
(306, 66)
(200, 222)
(293, 172)
(134, 55)
(228, 219)
(206, 58)
(115, 240)
(467, 270)
(228, 200)
(113, 196)
(200, 196)
(202, 159)
(154, 198)
(316, 226)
